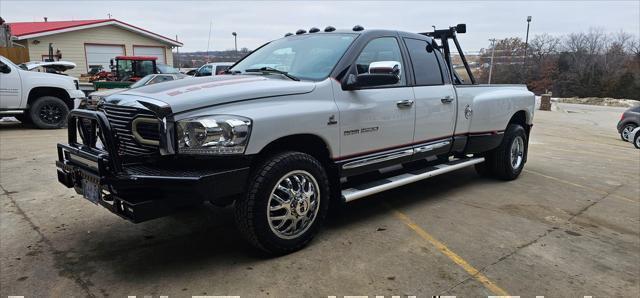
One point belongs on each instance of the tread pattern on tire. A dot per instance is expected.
(245, 216)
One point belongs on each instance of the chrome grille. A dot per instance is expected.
(120, 118)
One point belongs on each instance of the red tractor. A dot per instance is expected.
(125, 71)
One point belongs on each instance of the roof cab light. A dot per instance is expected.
(314, 30)
(301, 31)
(358, 28)
(329, 29)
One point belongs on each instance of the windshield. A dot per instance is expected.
(308, 57)
(163, 68)
(141, 82)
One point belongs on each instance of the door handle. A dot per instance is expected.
(407, 103)
(446, 99)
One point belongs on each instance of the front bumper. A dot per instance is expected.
(77, 96)
(143, 190)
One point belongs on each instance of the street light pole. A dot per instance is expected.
(493, 52)
(235, 40)
(526, 41)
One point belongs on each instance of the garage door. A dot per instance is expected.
(101, 54)
(150, 51)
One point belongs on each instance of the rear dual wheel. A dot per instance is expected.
(507, 161)
(286, 203)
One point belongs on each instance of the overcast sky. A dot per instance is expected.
(257, 22)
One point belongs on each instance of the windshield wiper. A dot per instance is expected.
(272, 70)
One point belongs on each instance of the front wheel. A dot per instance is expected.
(636, 140)
(286, 203)
(507, 161)
(49, 112)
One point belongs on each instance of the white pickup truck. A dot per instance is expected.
(304, 122)
(41, 98)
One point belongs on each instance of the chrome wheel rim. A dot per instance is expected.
(293, 204)
(626, 131)
(517, 152)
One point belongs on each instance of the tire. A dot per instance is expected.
(624, 133)
(636, 140)
(262, 227)
(499, 162)
(49, 112)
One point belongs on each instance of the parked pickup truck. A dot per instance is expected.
(41, 98)
(302, 123)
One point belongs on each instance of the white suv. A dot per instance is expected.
(40, 98)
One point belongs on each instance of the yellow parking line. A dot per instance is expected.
(475, 273)
(603, 192)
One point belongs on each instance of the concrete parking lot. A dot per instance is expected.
(569, 226)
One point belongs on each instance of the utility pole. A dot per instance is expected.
(493, 52)
(235, 40)
(209, 40)
(177, 53)
(526, 47)
(526, 41)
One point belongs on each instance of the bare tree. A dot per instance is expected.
(583, 64)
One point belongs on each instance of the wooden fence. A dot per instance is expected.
(15, 54)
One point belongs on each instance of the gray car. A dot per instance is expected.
(629, 120)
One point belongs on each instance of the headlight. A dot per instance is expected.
(219, 134)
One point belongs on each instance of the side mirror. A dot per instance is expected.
(461, 28)
(380, 73)
(353, 82)
(388, 67)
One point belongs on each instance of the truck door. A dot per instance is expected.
(435, 101)
(10, 86)
(376, 123)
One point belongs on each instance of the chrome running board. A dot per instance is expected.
(374, 187)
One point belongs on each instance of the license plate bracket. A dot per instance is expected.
(91, 191)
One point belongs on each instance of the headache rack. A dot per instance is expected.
(444, 35)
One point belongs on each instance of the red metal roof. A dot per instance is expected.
(27, 28)
(24, 28)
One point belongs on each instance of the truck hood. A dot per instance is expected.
(194, 93)
(49, 79)
(57, 65)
